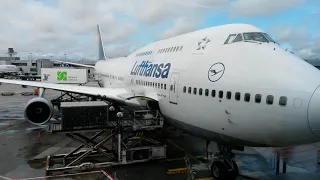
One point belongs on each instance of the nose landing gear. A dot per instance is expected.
(223, 165)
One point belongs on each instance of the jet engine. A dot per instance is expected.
(38, 111)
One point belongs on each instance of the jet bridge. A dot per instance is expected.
(108, 135)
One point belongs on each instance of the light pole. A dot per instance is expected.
(30, 56)
(51, 57)
(65, 57)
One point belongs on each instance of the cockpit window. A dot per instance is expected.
(230, 39)
(238, 38)
(269, 38)
(255, 36)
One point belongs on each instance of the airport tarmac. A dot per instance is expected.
(20, 142)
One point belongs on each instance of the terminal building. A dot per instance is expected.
(33, 67)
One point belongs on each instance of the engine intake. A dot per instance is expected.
(38, 111)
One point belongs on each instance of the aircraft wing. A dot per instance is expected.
(115, 94)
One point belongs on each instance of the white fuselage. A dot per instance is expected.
(249, 69)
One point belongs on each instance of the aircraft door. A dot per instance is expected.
(173, 88)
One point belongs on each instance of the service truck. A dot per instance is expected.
(64, 75)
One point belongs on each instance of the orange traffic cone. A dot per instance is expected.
(38, 136)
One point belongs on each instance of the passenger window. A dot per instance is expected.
(158, 85)
(161, 86)
(174, 49)
(220, 94)
(213, 93)
(194, 90)
(165, 86)
(181, 48)
(206, 92)
(269, 99)
(184, 89)
(171, 87)
(238, 38)
(237, 96)
(189, 90)
(247, 97)
(228, 95)
(258, 98)
(200, 91)
(283, 101)
(230, 39)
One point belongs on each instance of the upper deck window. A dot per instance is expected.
(255, 36)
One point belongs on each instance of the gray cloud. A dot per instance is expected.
(299, 38)
(180, 26)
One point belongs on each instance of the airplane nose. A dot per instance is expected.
(314, 112)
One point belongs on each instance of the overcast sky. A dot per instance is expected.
(55, 27)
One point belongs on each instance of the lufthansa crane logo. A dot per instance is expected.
(216, 71)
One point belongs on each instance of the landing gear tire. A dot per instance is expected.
(235, 172)
(219, 171)
(224, 166)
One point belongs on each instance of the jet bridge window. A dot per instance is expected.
(247, 97)
(283, 101)
(184, 89)
(269, 99)
(171, 87)
(255, 36)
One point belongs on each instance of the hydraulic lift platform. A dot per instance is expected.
(121, 135)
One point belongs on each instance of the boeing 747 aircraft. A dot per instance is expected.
(231, 84)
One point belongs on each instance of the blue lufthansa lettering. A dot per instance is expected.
(148, 69)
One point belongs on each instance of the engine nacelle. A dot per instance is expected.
(38, 111)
